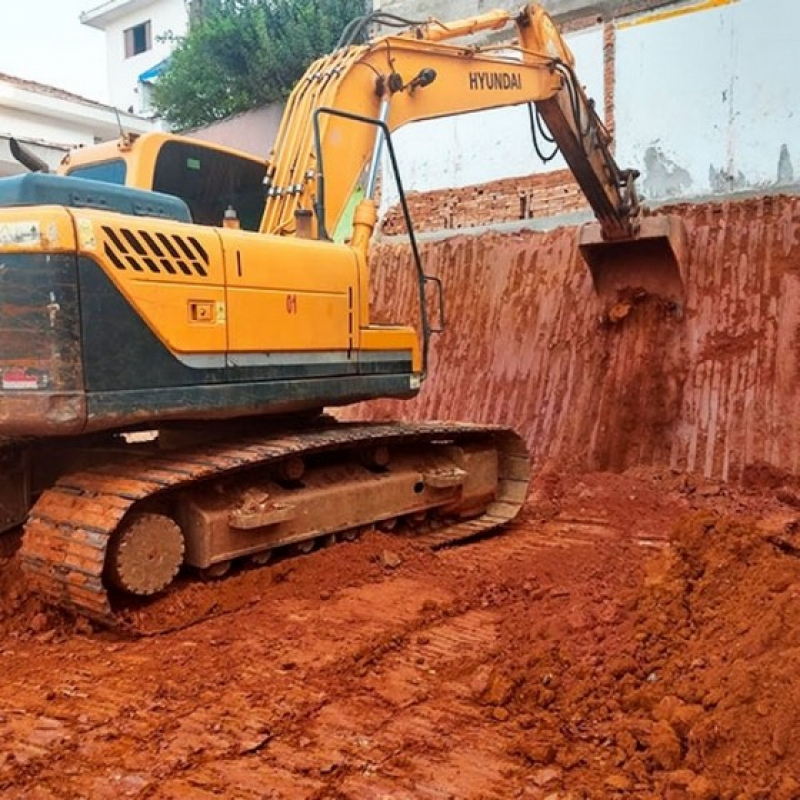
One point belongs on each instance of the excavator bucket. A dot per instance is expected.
(652, 261)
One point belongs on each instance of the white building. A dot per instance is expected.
(137, 43)
(50, 121)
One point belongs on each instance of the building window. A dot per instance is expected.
(138, 39)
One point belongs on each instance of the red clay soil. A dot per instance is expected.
(634, 635)
(708, 387)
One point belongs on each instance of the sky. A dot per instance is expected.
(44, 41)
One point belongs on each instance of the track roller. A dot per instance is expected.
(262, 558)
(375, 458)
(291, 469)
(350, 535)
(215, 571)
(305, 547)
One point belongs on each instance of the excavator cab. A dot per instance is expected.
(210, 178)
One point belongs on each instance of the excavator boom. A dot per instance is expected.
(421, 74)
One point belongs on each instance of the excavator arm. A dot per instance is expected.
(418, 75)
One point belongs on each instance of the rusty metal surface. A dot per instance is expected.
(41, 369)
(42, 413)
(14, 485)
(69, 528)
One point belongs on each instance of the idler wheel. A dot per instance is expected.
(145, 554)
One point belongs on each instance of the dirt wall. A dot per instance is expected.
(709, 388)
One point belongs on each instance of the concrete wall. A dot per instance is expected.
(707, 103)
(254, 131)
(704, 99)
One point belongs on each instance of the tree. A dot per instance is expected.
(241, 54)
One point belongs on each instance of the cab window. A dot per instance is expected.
(209, 181)
(107, 171)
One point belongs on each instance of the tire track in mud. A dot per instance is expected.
(315, 661)
(363, 670)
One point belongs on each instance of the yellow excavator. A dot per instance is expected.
(220, 302)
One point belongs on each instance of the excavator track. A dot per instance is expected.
(68, 532)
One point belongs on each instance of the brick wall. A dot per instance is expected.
(532, 197)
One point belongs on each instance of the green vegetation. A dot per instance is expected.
(242, 54)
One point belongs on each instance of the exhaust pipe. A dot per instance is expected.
(26, 157)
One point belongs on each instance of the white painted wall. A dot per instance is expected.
(709, 102)
(51, 122)
(165, 16)
(487, 145)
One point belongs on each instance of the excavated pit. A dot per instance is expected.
(708, 387)
(634, 634)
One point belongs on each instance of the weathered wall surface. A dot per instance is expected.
(562, 10)
(701, 96)
(706, 102)
(711, 390)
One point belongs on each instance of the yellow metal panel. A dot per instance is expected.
(171, 312)
(41, 228)
(269, 320)
(391, 337)
(167, 251)
(287, 294)
(171, 273)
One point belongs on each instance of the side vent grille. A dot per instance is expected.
(143, 251)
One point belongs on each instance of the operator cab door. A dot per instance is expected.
(292, 307)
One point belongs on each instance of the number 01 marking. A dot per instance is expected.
(291, 303)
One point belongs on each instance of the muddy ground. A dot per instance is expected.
(633, 635)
